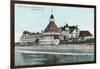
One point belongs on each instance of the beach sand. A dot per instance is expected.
(61, 46)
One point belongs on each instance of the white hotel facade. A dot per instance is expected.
(54, 35)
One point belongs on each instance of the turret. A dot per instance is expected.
(52, 18)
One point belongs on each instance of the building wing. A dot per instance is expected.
(84, 34)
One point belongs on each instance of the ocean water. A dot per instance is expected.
(22, 58)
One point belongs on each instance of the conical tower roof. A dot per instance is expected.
(51, 27)
(51, 16)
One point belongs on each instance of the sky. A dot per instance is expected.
(35, 18)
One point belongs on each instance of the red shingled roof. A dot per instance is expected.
(84, 34)
(52, 27)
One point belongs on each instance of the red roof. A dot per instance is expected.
(52, 27)
(84, 34)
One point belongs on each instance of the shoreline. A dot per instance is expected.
(59, 47)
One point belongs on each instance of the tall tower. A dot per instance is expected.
(51, 27)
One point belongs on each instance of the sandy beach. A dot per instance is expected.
(62, 46)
